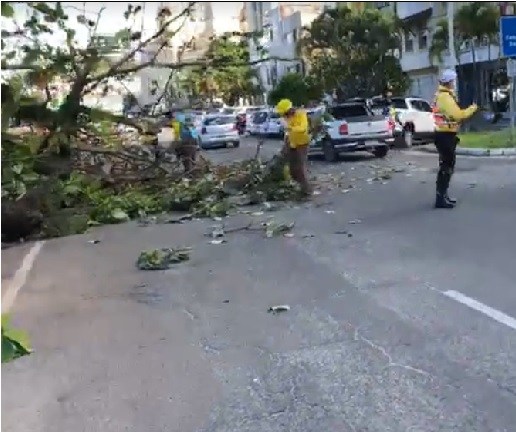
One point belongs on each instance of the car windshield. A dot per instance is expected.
(421, 105)
(217, 121)
(399, 103)
(342, 112)
(259, 117)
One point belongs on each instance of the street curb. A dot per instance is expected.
(474, 152)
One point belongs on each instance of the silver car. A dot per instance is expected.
(219, 131)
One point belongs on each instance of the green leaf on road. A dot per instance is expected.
(15, 343)
(119, 215)
(273, 229)
(162, 259)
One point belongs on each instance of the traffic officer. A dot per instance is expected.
(448, 116)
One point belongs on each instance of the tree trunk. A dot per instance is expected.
(475, 72)
(67, 118)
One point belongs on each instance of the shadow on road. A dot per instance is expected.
(349, 157)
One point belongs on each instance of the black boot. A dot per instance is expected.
(450, 199)
(442, 202)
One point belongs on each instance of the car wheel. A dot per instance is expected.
(330, 155)
(236, 144)
(381, 152)
(408, 136)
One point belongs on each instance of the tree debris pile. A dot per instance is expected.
(97, 191)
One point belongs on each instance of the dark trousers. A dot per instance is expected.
(446, 143)
(186, 151)
(298, 161)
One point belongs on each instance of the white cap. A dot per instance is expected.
(448, 76)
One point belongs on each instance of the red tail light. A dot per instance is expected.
(439, 119)
(391, 125)
(343, 129)
(203, 131)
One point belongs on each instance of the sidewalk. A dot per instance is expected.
(479, 152)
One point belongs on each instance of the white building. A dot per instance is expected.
(281, 23)
(420, 19)
(209, 19)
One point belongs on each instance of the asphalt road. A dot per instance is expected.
(402, 316)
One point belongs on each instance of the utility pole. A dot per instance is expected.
(450, 15)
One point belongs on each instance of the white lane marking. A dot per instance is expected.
(482, 308)
(20, 277)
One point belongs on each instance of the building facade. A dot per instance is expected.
(190, 42)
(420, 20)
(281, 23)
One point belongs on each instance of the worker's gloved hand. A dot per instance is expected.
(474, 107)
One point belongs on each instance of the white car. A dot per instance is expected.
(219, 131)
(249, 114)
(353, 128)
(266, 122)
(274, 125)
(255, 125)
(416, 120)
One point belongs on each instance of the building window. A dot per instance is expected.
(423, 39)
(382, 5)
(409, 42)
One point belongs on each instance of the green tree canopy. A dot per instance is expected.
(354, 52)
(296, 88)
(231, 75)
(84, 67)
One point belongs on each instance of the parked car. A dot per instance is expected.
(353, 127)
(416, 123)
(274, 125)
(255, 125)
(219, 131)
(267, 122)
(249, 114)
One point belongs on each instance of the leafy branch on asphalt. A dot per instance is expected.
(15, 343)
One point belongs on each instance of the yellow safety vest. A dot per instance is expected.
(447, 113)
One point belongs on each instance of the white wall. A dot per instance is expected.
(423, 86)
(406, 9)
(285, 33)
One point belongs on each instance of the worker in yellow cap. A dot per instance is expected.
(297, 141)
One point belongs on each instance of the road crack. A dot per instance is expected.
(390, 362)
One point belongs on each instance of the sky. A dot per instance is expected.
(225, 17)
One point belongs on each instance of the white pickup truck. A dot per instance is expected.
(353, 128)
(415, 123)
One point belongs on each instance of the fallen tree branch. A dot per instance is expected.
(114, 69)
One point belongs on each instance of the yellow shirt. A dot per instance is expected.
(297, 127)
(448, 113)
(177, 129)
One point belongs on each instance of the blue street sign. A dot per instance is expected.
(508, 35)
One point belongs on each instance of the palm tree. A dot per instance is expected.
(477, 21)
(439, 44)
